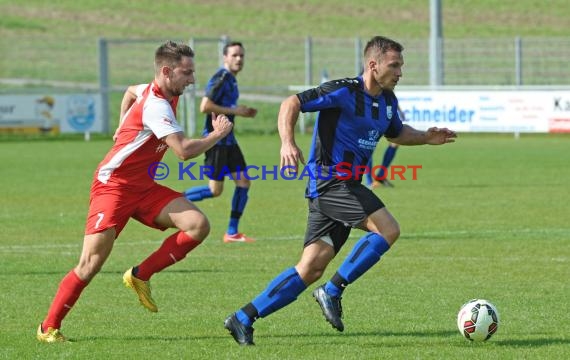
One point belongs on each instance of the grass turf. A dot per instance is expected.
(486, 218)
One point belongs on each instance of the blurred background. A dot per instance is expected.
(84, 47)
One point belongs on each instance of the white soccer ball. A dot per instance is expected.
(478, 320)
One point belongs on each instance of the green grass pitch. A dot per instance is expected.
(486, 218)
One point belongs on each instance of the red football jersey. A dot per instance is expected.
(139, 144)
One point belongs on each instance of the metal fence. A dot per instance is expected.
(274, 65)
(278, 63)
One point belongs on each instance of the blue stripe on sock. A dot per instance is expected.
(239, 200)
(333, 290)
(282, 291)
(243, 318)
(368, 175)
(389, 155)
(198, 193)
(363, 256)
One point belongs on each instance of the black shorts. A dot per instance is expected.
(334, 213)
(224, 160)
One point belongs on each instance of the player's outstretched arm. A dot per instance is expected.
(440, 136)
(291, 154)
(186, 148)
(208, 106)
(433, 136)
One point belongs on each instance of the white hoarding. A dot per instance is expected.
(488, 111)
(51, 113)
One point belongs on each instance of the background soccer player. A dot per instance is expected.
(122, 187)
(353, 114)
(226, 157)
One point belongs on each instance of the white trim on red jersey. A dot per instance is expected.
(139, 142)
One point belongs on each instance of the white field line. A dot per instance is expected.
(356, 234)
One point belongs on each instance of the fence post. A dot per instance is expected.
(190, 97)
(308, 75)
(104, 82)
(518, 61)
(436, 44)
(308, 61)
(224, 39)
(358, 68)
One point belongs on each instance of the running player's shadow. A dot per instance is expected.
(442, 333)
(531, 342)
(152, 338)
(118, 272)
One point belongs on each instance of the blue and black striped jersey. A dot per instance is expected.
(348, 127)
(223, 90)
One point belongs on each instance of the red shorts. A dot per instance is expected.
(110, 206)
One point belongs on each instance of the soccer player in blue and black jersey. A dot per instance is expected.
(353, 114)
(226, 158)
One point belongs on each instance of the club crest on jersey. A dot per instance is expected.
(389, 112)
(373, 135)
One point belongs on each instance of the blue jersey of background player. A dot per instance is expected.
(354, 113)
(223, 90)
(348, 127)
(226, 158)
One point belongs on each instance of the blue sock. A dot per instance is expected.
(282, 291)
(239, 201)
(369, 173)
(363, 256)
(244, 318)
(389, 155)
(198, 193)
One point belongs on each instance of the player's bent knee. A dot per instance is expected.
(217, 192)
(197, 228)
(86, 270)
(391, 234)
(309, 274)
(317, 274)
(243, 183)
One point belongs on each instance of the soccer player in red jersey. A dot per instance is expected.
(123, 187)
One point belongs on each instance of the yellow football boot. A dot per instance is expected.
(141, 288)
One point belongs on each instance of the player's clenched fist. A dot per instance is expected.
(221, 124)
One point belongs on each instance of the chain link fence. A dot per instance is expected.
(275, 67)
(278, 63)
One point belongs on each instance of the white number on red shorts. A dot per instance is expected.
(101, 216)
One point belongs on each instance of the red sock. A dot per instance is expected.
(172, 250)
(67, 294)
